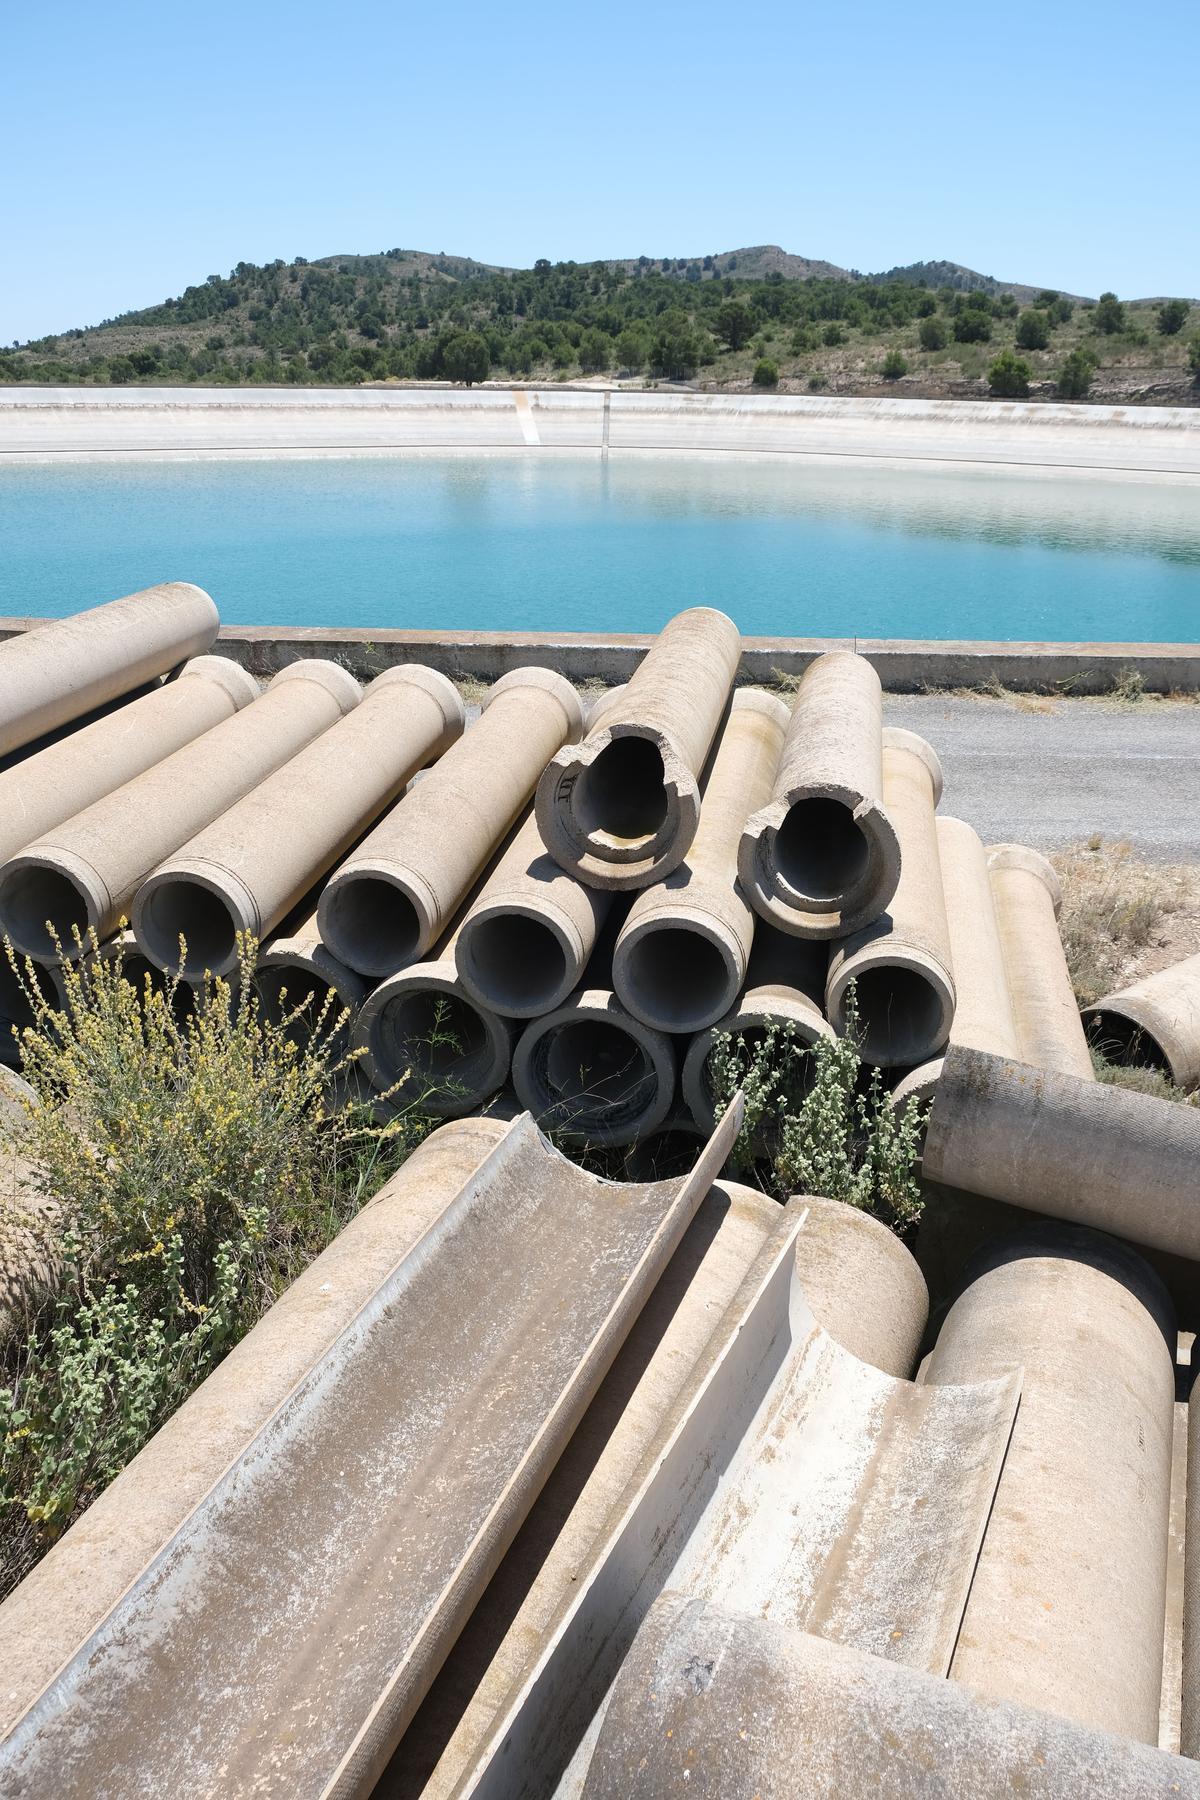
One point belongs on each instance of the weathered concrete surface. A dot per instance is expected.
(862, 1284)
(680, 960)
(1067, 1602)
(620, 809)
(591, 1072)
(822, 857)
(1028, 898)
(1075, 1150)
(525, 941)
(983, 1014)
(296, 970)
(1189, 1731)
(42, 790)
(429, 1043)
(716, 1705)
(244, 873)
(68, 666)
(84, 872)
(395, 895)
(1155, 1021)
(785, 987)
(398, 1409)
(900, 963)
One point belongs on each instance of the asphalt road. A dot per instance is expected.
(1054, 778)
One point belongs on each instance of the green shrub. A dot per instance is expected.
(1009, 376)
(194, 1169)
(1075, 376)
(766, 374)
(931, 333)
(894, 366)
(466, 357)
(1194, 357)
(1033, 331)
(834, 335)
(1109, 315)
(1172, 317)
(972, 327)
(814, 1125)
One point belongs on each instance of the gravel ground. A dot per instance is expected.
(1051, 773)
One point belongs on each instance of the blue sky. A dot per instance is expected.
(146, 147)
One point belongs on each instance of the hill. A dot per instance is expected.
(719, 321)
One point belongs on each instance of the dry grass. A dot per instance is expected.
(1123, 918)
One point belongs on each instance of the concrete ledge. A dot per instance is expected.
(905, 665)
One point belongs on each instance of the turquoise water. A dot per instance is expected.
(573, 544)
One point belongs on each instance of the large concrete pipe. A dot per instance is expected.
(17, 1009)
(44, 789)
(62, 669)
(983, 1011)
(84, 873)
(680, 961)
(1154, 1022)
(297, 977)
(785, 988)
(1068, 1599)
(1078, 1150)
(1189, 1726)
(431, 1041)
(901, 964)
(1028, 899)
(823, 858)
(525, 942)
(862, 1284)
(721, 1706)
(592, 1073)
(395, 896)
(620, 809)
(246, 871)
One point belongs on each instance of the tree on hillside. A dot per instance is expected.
(595, 352)
(766, 374)
(931, 333)
(1194, 357)
(1009, 376)
(1172, 316)
(894, 366)
(1033, 331)
(675, 350)
(1075, 376)
(466, 357)
(632, 350)
(735, 324)
(1109, 316)
(972, 326)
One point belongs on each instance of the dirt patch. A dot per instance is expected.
(1123, 918)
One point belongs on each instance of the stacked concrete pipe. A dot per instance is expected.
(527, 937)
(64, 668)
(1154, 1022)
(785, 988)
(395, 896)
(620, 809)
(83, 874)
(297, 977)
(246, 871)
(1079, 1150)
(1028, 901)
(983, 1012)
(49, 786)
(592, 1073)
(680, 961)
(901, 964)
(17, 1007)
(1067, 1603)
(823, 857)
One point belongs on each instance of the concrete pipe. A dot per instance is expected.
(1068, 1599)
(785, 985)
(84, 873)
(420, 1029)
(141, 973)
(64, 668)
(17, 1009)
(1028, 898)
(901, 964)
(395, 896)
(823, 857)
(1078, 1150)
(592, 1073)
(862, 1284)
(245, 872)
(621, 809)
(680, 961)
(666, 1152)
(298, 977)
(1153, 1023)
(523, 946)
(983, 1015)
(1189, 1729)
(43, 790)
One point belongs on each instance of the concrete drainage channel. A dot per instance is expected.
(535, 1482)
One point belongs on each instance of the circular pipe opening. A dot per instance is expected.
(900, 1016)
(621, 796)
(592, 1066)
(820, 851)
(1124, 1042)
(295, 994)
(800, 1072)
(371, 924)
(516, 962)
(16, 1008)
(665, 1154)
(678, 977)
(439, 1037)
(29, 897)
(184, 909)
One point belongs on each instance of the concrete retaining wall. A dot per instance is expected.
(905, 665)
